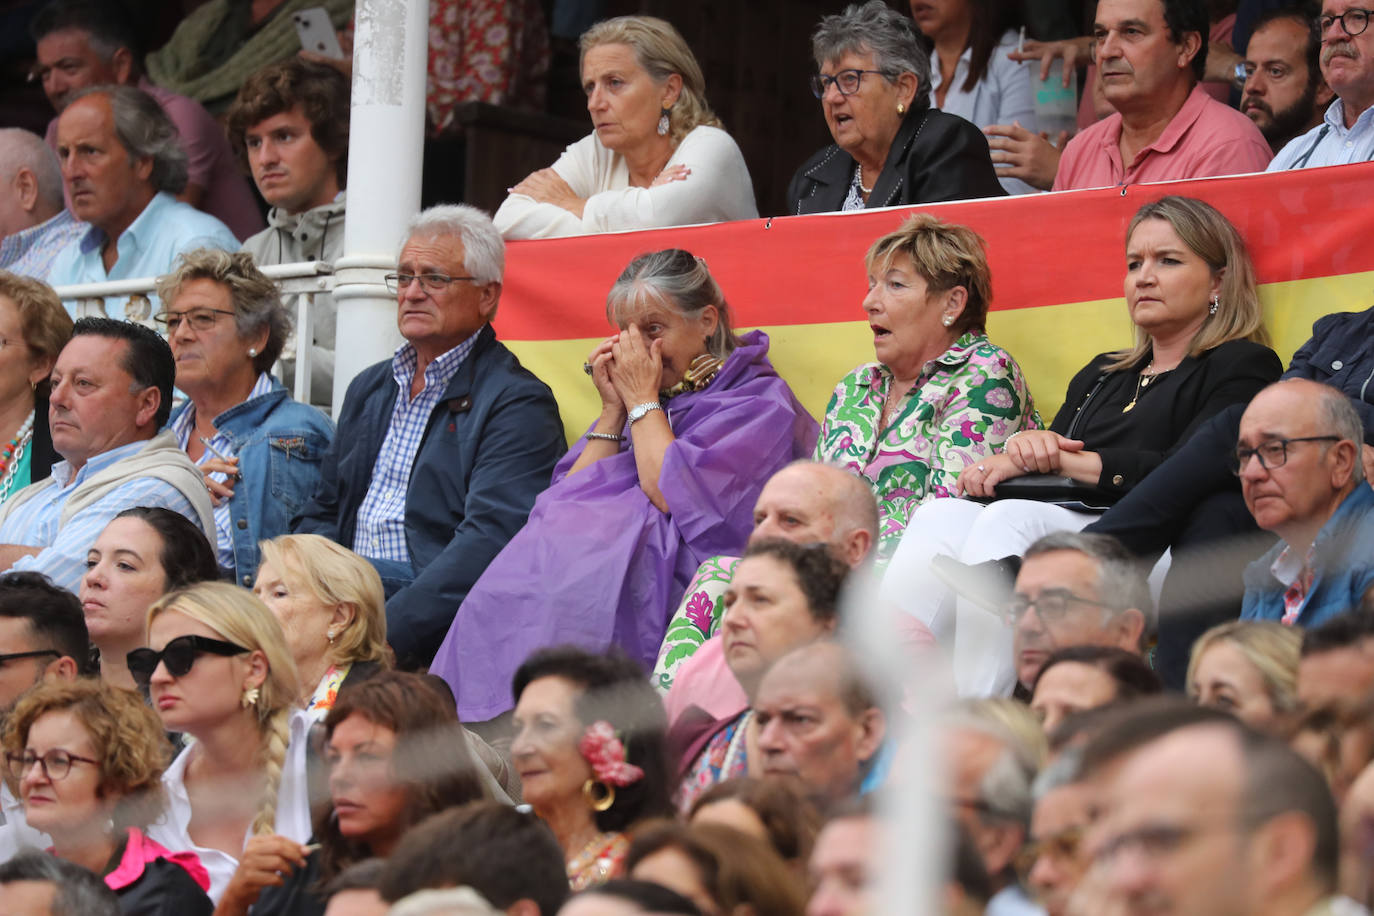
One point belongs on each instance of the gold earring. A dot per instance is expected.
(249, 698)
(901, 109)
(601, 801)
(331, 634)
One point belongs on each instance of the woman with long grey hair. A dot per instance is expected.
(693, 421)
(892, 147)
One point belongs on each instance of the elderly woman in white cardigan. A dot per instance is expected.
(656, 156)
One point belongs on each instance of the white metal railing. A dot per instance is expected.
(301, 281)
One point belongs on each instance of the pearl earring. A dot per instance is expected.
(252, 352)
(1216, 304)
(947, 320)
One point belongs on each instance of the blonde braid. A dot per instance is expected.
(277, 732)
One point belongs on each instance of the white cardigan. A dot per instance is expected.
(718, 189)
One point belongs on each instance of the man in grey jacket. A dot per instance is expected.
(290, 123)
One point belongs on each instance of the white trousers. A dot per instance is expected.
(969, 532)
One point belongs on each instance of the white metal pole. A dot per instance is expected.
(386, 150)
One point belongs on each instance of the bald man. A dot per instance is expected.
(1299, 461)
(34, 222)
(807, 503)
(833, 754)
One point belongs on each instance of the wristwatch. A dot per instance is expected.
(640, 411)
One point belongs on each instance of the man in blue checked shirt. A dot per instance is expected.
(442, 449)
(111, 393)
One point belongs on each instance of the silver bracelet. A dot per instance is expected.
(640, 411)
(609, 437)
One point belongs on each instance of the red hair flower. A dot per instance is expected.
(603, 750)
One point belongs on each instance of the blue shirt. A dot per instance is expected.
(380, 533)
(148, 248)
(182, 425)
(31, 252)
(1329, 143)
(37, 522)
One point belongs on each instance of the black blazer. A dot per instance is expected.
(1167, 411)
(934, 157)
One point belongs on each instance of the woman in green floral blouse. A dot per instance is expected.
(940, 396)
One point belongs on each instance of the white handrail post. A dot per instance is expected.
(386, 150)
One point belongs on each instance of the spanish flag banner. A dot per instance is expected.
(1058, 269)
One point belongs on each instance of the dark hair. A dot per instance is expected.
(988, 19)
(431, 757)
(1341, 632)
(76, 891)
(54, 615)
(360, 876)
(1311, 50)
(148, 358)
(819, 573)
(186, 556)
(106, 22)
(1141, 722)
(790, 818)
(739, 871)
(1133, 678)
(322, 94)
(1184, 16)
(616, 690)
(502, 853)
(1279, 780)
(648, 896)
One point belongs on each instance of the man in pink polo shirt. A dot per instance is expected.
(83, 43)
(1151, 55)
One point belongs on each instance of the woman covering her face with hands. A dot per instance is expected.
(694, 419)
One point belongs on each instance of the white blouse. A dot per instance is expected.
(293, 808)
(1002, 96)
(718, 189)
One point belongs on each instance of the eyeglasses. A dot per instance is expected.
(847, 81)
(179, 656)
(1353, 22)
(1052, 605)
(1272, 454)
(56, 763)
(200, 319)
(36, 653)
(431, 283)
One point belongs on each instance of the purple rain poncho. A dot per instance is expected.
(598, 564)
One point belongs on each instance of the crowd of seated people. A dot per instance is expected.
(431, 659)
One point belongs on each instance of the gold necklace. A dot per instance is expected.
(1142, 382)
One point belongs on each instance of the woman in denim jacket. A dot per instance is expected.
(259, 449)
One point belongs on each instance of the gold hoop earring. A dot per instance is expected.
(601, 801)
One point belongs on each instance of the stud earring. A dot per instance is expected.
(947, 320)
(252, 352)
(901, 109)
(331, 634)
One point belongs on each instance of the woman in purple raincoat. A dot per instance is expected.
(694, 420)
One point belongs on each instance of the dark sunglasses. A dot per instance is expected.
(179, 656)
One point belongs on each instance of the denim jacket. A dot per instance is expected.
(279, 442)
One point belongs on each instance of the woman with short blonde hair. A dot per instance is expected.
(218, 669)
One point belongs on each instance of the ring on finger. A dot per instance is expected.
(587, 368)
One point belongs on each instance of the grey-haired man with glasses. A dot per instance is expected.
(1346, 133)
(442, 449)
(1299, 462)
(1075, 589)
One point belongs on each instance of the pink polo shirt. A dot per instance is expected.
(1205, 138)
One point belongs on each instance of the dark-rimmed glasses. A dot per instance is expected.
(179, 656)
(199, 319)
(431, 283)
(35, 653)
(1052, 605)
(1353, 21)
(847, 81)
(1272, 454)
(56, 763)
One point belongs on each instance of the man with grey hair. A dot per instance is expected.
(34, 222)
(1299, 462)
(990, 768)
(36, 883)
(1073, 589)
(807, 502)
(122, 166)
(441, 450)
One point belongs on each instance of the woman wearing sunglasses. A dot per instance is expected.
(87, 761)
(218, 669)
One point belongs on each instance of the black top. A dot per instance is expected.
(296, 896)
(935, 156)
(1167, 410)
